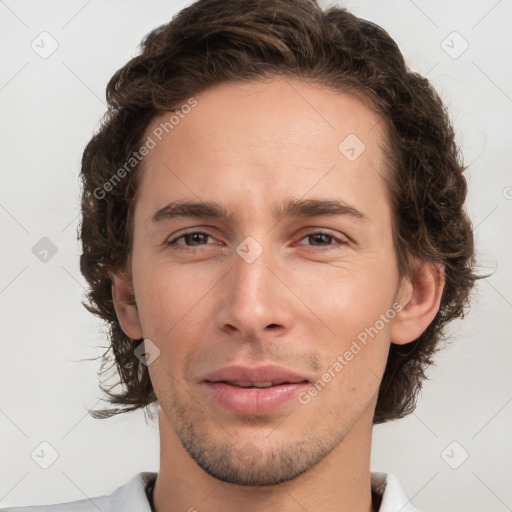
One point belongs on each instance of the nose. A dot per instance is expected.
(254, 299)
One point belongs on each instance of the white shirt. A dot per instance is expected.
(131, 497)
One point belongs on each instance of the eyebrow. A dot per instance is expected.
(290, 208)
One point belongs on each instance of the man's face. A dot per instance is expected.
(297, 293)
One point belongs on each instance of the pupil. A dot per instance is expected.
(319, 236)
(195, 237)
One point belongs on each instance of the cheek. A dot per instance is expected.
(355, 346)
(351, 296)
(169, 318)
(172, 299)
(347, 386)
(353, 359)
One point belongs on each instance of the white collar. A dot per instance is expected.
(384, 484)
(393, 496)
(131, 497)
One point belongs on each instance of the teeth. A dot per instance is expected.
(262, 384)
(251, 384)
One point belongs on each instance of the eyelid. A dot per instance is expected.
(177, 236)
(341, 240)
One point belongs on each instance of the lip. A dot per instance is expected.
(265, 373)
(254, 401)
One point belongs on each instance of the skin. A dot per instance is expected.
(249, 146)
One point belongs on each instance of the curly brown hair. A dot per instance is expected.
(215, 41)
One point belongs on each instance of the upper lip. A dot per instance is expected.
(266, 373)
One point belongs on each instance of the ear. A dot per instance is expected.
(125, 306)
(420, 298)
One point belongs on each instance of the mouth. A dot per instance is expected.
(254, 390)
(259, 385)
(255, 399)
(255, 376)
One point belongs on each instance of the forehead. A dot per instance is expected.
(262, 140)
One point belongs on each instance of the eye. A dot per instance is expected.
(198, 238)
(192, 239)
(323, 239)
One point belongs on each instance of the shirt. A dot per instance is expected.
(135, 495)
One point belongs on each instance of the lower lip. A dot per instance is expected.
(253, 401)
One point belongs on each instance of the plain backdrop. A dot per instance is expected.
(452, 454)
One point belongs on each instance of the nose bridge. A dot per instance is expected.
(251, 273)
(254, 297)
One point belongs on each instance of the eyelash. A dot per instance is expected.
(173, 243)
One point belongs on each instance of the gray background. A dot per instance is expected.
(49, 108)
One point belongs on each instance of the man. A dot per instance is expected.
(274, 228)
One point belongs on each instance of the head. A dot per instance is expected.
(274, 111)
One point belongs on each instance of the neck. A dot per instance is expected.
(341, 481)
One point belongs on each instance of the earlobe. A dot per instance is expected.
(420, 298)
(125, 306)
